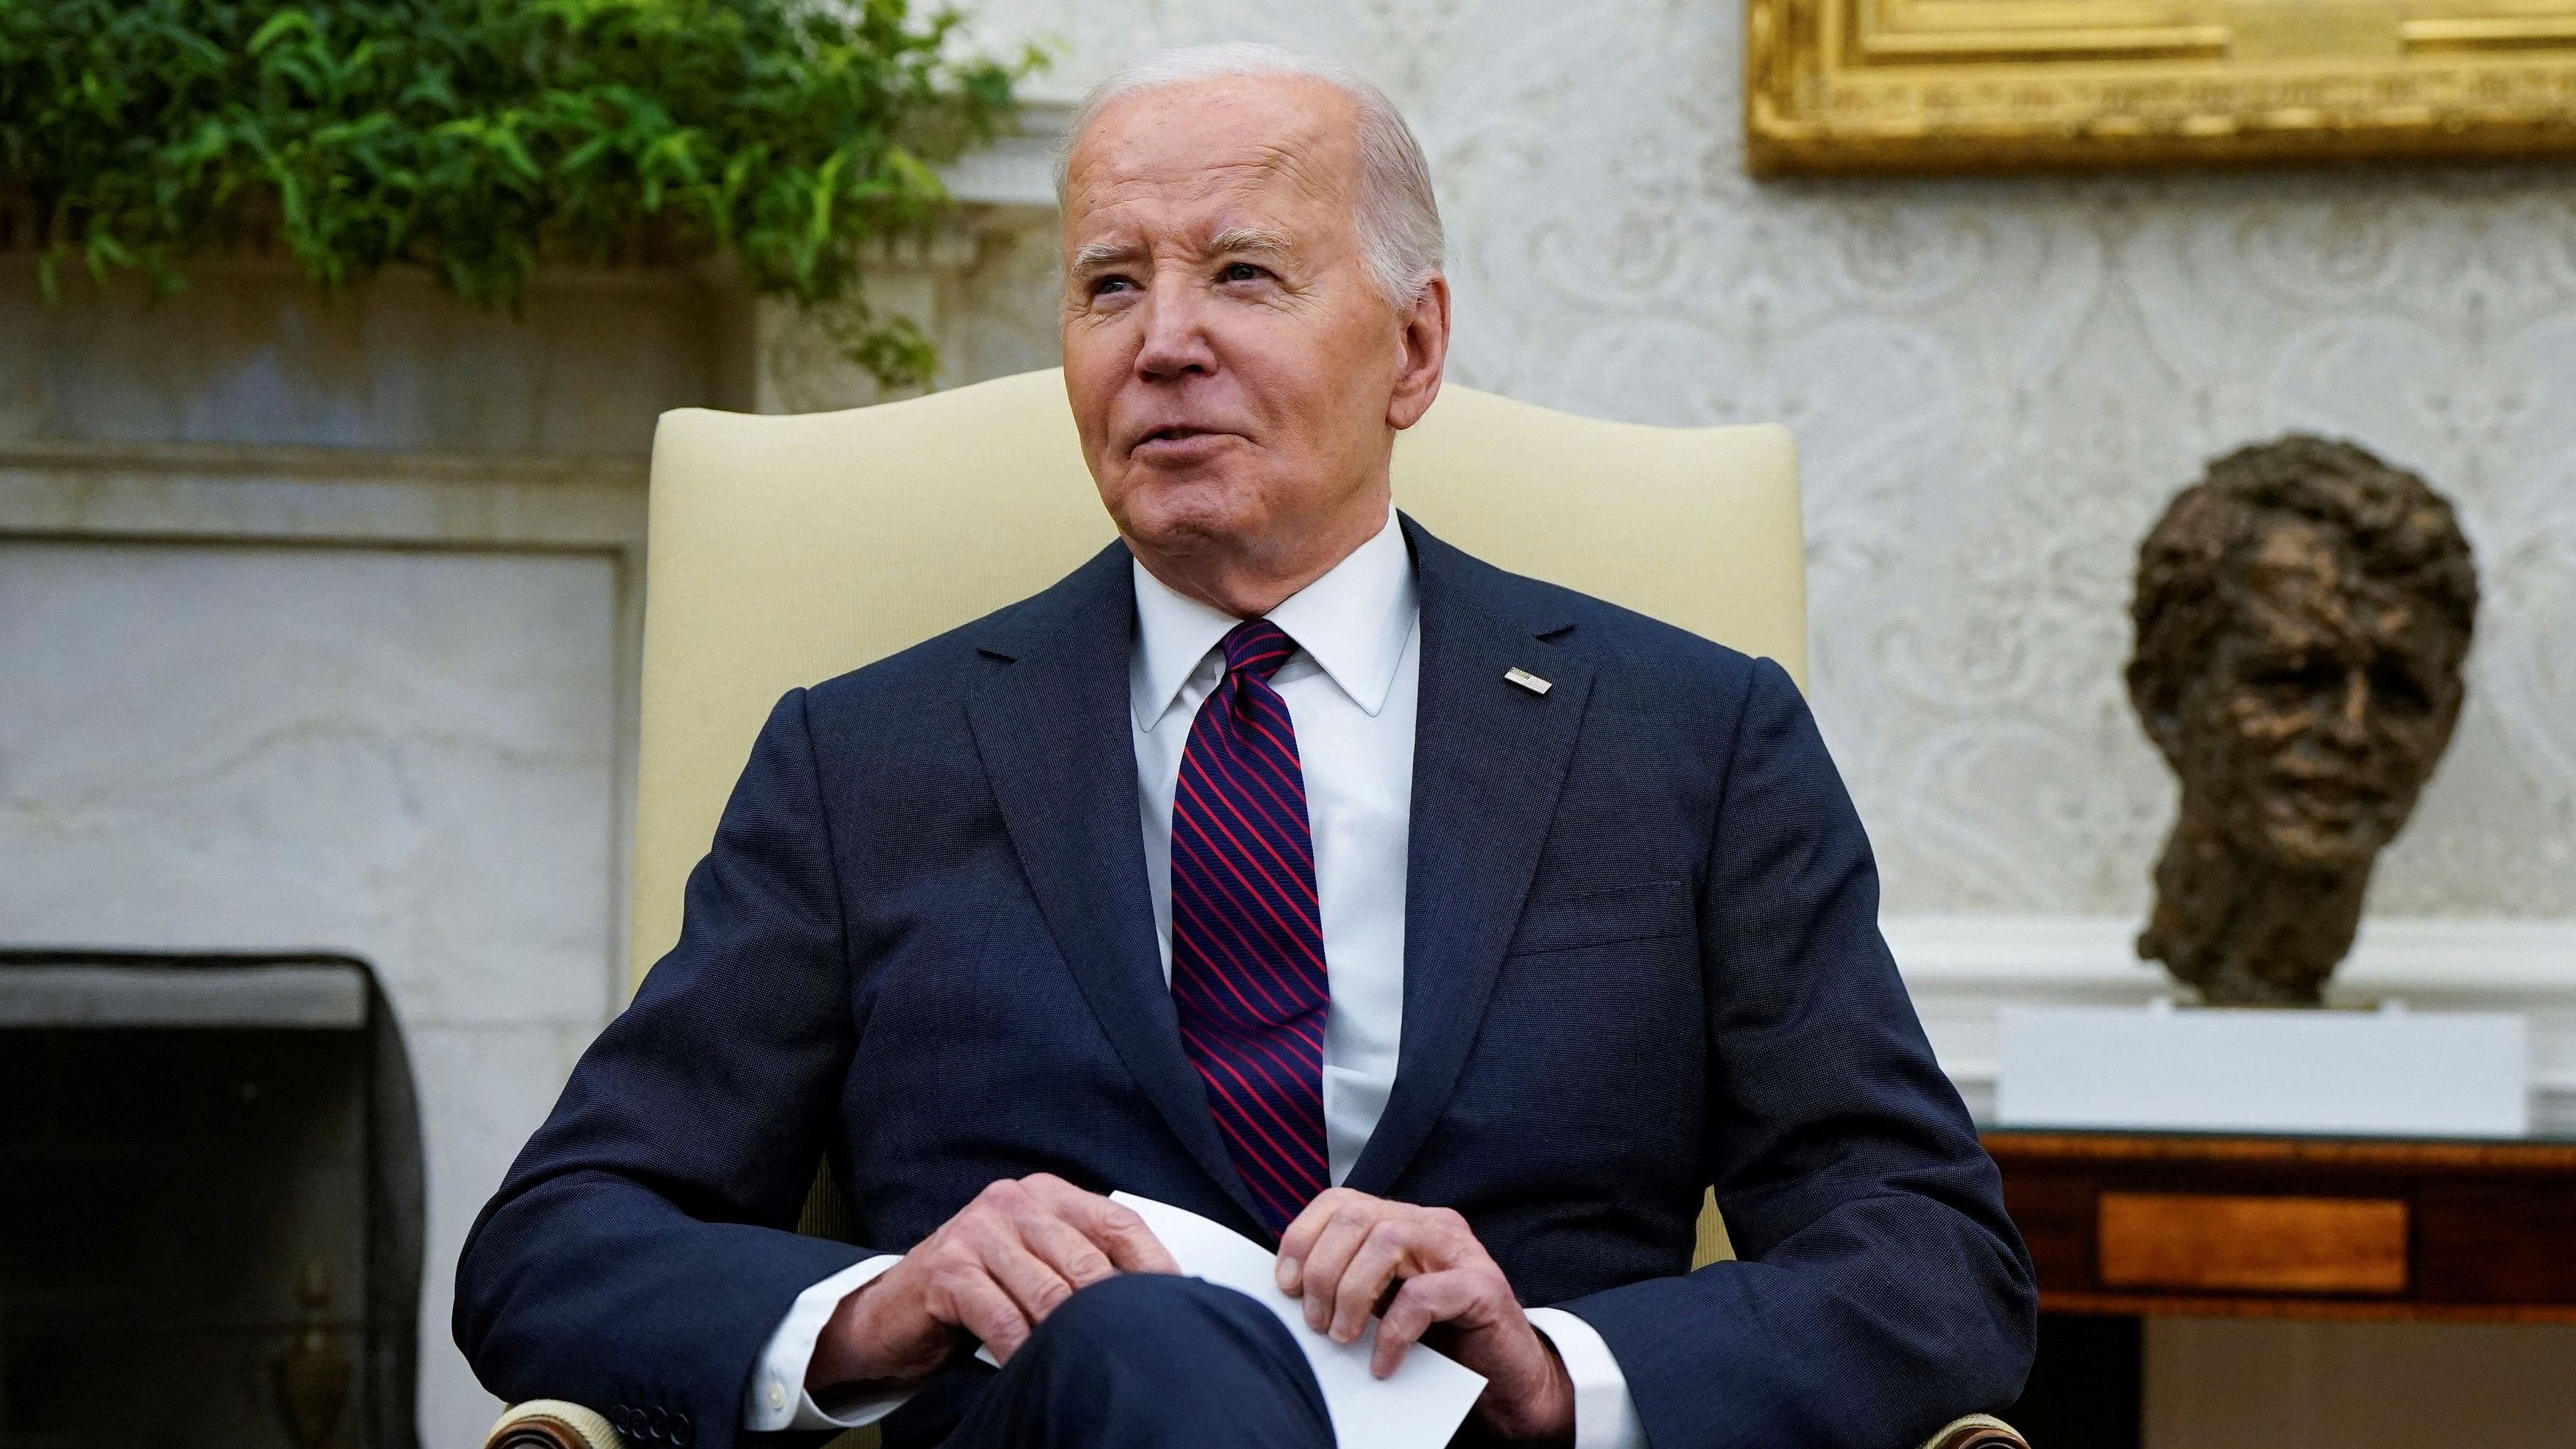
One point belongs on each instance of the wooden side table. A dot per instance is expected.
(2125, 1225)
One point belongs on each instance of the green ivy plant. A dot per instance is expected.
(483, 138)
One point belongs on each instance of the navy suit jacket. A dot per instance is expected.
(1641, 958)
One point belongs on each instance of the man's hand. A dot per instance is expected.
(995, 1271)
(1347, 1250)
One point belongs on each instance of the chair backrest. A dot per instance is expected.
(785, 550)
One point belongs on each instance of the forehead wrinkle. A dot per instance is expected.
(1228, 230)
(1297, 165)
(1140, 175)
(1138, 156)
(1246, 177)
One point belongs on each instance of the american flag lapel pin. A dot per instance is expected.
(1527, 680)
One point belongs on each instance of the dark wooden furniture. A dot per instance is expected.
(2147, 1223)
(2127, 1225)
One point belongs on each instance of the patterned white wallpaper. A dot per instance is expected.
(1995, 385)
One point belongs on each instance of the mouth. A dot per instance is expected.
(2329, 797)
(1177, 440)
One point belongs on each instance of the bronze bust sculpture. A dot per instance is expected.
(2302, 616)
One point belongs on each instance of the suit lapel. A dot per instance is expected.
(1489, 759)
(1053, 733)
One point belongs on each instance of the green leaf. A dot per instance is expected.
(484, 140)
(281, 24)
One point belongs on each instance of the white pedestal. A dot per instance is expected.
(2389, 1072)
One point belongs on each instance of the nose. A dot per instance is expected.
(1175, 343)
(2350, 724)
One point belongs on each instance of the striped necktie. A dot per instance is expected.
(1247, 935)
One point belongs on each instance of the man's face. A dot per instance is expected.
(2323, 709)
(1233, 367)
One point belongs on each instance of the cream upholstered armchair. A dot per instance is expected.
(786, 550)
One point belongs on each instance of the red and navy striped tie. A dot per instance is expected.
(1247, 936)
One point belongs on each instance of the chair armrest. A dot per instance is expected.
(557, 1424)
(552, 1424)
(1977, 1431)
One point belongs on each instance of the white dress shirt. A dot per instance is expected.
(1351, 690)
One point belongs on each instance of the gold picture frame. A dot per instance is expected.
(2017, 85)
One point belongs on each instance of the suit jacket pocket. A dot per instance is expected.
(1646, 911)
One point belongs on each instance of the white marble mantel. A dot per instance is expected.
(1961, 968)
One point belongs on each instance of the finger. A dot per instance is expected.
(1065, 1248)
(1113, 1227)
(974, 1302)
(1334, 1247)
(1129, 1243)
(1422, 1302)
(1034, 1286)
(1299, 1241)
(1390, 1252)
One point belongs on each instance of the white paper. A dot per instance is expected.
(1422, 1402)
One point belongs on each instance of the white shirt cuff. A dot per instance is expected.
(777, 1398)
(1604, 1416)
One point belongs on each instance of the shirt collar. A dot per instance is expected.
(1353, 622)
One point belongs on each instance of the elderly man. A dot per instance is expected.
(1453, 931)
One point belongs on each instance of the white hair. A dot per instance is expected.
(1396, 215)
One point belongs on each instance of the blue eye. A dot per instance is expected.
(1241, 272)
(1106, 285)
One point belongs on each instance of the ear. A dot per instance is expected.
(1422, 340)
